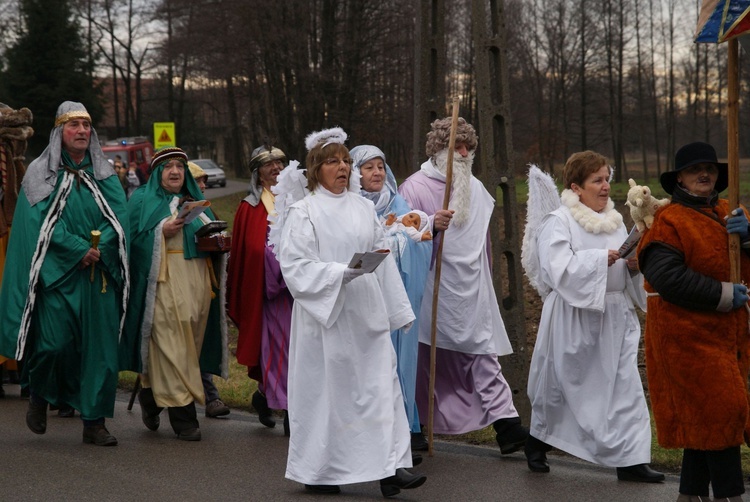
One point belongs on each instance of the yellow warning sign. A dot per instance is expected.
(164, 134)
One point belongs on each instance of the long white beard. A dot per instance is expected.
(461, 194)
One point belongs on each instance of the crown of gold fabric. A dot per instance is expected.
(67, 117)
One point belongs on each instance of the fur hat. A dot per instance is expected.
(196, 171)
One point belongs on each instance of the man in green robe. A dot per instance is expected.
(63, 300)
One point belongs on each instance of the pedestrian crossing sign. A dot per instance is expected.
(164, 134)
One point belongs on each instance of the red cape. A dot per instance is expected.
(245, 282)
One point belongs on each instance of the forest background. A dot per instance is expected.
(619, 76)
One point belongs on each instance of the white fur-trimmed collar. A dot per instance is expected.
(605, 222)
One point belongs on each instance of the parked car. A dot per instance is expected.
(215, 174)
(136, 149)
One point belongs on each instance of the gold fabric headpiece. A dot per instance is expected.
(76, 114)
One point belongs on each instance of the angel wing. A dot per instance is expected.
(543, 199)
(291, 186)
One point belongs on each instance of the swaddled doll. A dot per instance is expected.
(416, 224)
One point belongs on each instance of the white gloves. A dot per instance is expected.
(352, 273)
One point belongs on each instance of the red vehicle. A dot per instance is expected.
(136, 149)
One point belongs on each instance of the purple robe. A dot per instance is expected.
(470, 390)
(274, 344)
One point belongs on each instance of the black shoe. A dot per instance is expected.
(536, 454)
(264, 412)
(98, 435)
(641, 473)
(286, 423)
(323, 489)
(66, 411)
(419, 442)
(392, 485)
(416, 459)
(151, 422)
(36, 417)
(511, 435)
(193, 434)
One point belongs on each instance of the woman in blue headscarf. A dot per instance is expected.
(413, 260)
(175, 326)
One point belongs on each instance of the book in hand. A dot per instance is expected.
(190, 210)
(369, 260)
(631, 242)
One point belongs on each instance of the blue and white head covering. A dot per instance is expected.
(383, 199)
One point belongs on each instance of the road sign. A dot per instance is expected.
(164, 134)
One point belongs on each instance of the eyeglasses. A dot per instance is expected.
(336, 161)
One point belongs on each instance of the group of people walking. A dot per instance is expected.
(101, 283)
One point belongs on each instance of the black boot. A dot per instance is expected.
(323, 489)
(392, 485)
(536, 454)
(264, 412)
(184, 422)
(511, 435)
(36, 415)
(419, 442)
(286, 423)
(641, 473)
(149, 410)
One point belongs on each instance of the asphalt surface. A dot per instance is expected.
(239, 459)
(233, 186)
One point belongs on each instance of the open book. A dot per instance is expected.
(191, 210)
(369, 260)
(631, 242)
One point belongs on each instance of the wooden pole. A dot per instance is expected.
(733, 152)
(436, 286)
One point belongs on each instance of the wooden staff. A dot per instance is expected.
(438, 269)
(136, 388)
(733, 152)
(95, 235)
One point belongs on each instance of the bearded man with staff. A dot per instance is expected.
(470, 390)
(64, 325)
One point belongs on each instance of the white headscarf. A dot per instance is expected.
(362, 154)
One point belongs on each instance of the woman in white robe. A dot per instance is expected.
(347, 419)
(585, 389)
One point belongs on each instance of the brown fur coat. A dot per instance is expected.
(15, 130)
(697, 362)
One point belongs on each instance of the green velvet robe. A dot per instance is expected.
(64, 326)
(149, 208)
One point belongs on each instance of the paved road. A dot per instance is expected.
(239, 459)
(233, 186)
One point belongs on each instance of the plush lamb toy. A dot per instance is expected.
(642, 205)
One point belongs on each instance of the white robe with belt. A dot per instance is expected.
(585, 389)
(347, 418)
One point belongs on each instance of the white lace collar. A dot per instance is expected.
(606, 222)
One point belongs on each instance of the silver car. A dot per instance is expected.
(216, 176)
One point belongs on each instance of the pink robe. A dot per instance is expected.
(470, 390)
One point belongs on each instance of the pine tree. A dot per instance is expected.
(48, 65)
